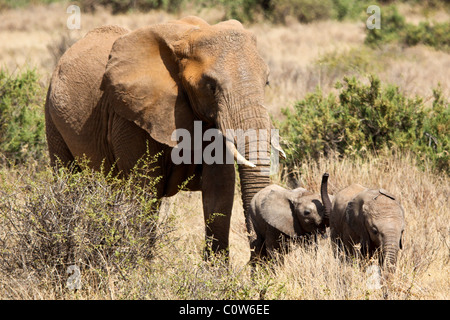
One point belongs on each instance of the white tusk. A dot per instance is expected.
(275, 142)
(278, 148)
(237, 156)
(282, 154)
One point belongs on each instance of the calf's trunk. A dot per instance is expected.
(325, 199)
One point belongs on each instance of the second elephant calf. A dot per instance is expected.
(371, 218)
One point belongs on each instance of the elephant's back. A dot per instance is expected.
(75, 84)
(90, 51)
(348, 193)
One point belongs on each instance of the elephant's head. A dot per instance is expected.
(294, 212)
(166, 76)
(379, 219)
(309, 213)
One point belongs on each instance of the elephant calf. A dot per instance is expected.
(372, 218)
(277, 214)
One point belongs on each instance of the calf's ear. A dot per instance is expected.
(277, 211)
(355, 220)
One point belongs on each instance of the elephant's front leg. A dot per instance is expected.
(217, 195)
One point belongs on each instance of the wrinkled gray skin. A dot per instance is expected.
(372, 218)
(277, 214)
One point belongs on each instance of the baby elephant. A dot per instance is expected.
(372, 218)
(277, 213)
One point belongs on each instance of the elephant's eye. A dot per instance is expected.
(267, 83)
(210, 83)
(307, 212)
(211, 86)
(375, 231)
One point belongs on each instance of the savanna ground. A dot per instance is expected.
(102, 225)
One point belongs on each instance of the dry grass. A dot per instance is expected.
(307, 272)
(423, 267)
(179, 272)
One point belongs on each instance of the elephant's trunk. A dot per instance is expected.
(325, 199)
(390, 251)
(252, 180)
(251, 131)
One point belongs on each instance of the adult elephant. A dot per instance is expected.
(117, 93)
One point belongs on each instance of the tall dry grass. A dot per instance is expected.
(178, 271)
(314, 272)
(423, 266)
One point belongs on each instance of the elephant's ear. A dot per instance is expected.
(277, 212)
(354, 220)
(349, 213)
(400, 244)
(142, 79)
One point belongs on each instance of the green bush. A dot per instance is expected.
(367, 118)
(242, 10)
(22, 125)
(435, 142)
(277, 11)
(437, 35)
(303, 10)
(123, 6)
(394, 28)
(249, 10)
(13, 4)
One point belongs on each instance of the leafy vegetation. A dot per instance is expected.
(303, 10)
(121, 6)
(436, 35)
(277, 11)
(365, 119)
(22, 125)
(395, 28)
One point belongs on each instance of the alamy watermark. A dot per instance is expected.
(74, 20)
(374, 20)
(74, 280)
(192, 149)
(374, 279)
